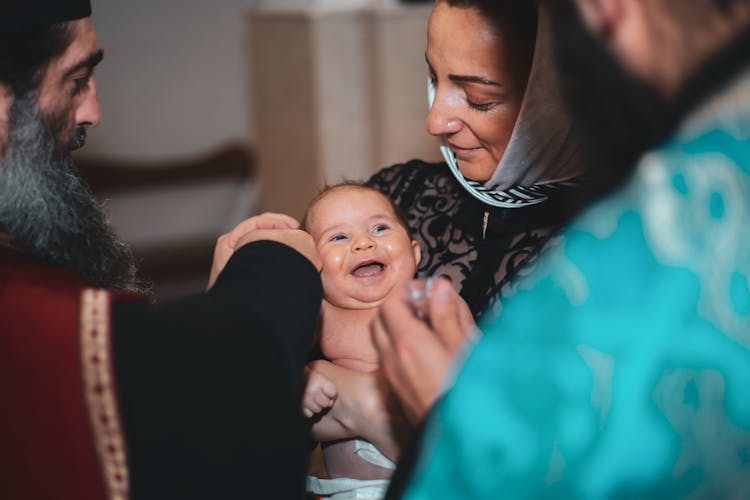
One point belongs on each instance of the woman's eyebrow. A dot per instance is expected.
(465, 78)
(473, 79)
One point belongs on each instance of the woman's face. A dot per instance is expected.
(478, 92)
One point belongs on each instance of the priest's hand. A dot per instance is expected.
(418, 343)
(267, 226)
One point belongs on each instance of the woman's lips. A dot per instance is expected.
(463, 153)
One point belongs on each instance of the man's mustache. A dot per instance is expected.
(79, 138)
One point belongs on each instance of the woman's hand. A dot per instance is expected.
(360, 410)
(415, 354)
(229, 242)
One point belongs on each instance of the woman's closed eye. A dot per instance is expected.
(483, 97)
(481, 106)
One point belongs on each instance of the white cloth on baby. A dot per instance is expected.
(346, 488)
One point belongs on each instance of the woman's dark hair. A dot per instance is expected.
(25, 52)
(515, 21)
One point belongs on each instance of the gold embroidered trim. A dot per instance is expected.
(99, 392)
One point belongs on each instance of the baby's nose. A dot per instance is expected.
(363, 243)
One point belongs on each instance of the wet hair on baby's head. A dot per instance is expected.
(353, 185)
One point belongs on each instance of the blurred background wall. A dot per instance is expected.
(314, 91)
(174, 80)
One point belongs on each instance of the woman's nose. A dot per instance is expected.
(442, 120)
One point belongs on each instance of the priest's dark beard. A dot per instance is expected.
(620, 116)
(47, 210)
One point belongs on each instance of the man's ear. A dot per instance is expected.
(417, 252)
(5, 101)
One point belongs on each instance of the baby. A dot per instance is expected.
(366, 251)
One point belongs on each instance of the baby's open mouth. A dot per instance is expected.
(367, 269)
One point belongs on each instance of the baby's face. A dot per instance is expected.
(365, 250)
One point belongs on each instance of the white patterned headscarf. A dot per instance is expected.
(543, 152)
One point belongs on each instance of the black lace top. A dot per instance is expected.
(478, 247)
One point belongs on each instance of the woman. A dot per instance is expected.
(510, 174)
(511, 155)
(508, 181)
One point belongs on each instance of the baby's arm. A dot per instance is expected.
(320, 393)
(317, 401)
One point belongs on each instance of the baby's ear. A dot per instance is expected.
(417, 252)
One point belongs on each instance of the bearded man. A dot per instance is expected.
(621, 367)
(104, 395)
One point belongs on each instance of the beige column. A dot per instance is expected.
(338, 91)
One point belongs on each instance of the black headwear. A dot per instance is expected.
(36, 12)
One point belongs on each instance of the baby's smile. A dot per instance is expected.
(368, 269)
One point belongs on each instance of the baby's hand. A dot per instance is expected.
(320, 393)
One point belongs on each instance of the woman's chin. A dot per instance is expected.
(480, 171)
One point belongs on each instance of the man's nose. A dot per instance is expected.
(88, 112)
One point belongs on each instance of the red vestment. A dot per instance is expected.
(60, 431)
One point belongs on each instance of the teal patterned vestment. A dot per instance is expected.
(621, 367)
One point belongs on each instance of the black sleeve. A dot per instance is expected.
(209, 386)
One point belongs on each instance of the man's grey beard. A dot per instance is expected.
(47, 210)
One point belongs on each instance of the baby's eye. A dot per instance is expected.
(337, 237)
(379, 228)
